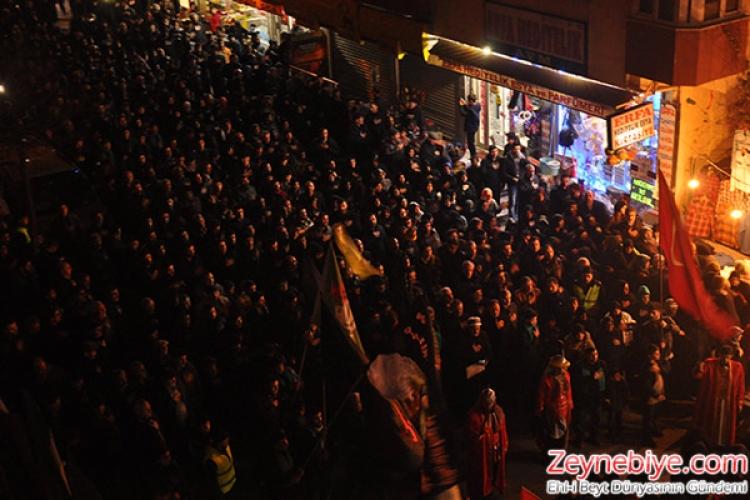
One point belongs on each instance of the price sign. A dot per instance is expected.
(642, 191)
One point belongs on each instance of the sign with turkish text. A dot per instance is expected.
(642, 166)
(569, 101)
(546, 40)
(666, 151)
(631, 126)
(642, 191)
(266, 6)
(308, 51)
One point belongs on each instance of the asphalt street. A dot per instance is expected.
(524, 466)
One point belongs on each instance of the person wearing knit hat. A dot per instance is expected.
(640, 310)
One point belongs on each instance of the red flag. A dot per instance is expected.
(685, 283)
(333, 294)
(528, 495)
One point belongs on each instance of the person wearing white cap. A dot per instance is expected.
(487, 441)
(555, 404)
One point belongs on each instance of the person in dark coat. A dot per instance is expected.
(468, 362)
(589, 384)
(589, 205)
(513, 165)
(560, 195)
(470, 109)
(477, 167)
(492, 171)
(527, 186)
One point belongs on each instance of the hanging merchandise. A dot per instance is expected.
(568, 135)
(568, 164)
(532, 125)
(592, 132)
(546, 129)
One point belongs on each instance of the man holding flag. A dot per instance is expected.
(685, 281)
(426, 442)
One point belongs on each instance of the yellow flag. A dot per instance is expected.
(352, 255)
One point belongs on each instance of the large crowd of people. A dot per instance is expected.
(178, 318)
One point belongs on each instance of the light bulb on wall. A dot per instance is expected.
(693, 183)
(736, 214)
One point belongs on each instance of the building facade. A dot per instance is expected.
(545, 67)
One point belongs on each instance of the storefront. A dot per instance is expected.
(268, 19)
(568, 123)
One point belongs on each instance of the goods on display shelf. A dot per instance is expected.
(619, 175)
(642, 167)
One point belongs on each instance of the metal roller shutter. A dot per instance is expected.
(359, 67)
(441, 89)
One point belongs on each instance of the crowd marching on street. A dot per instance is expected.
(171, 344)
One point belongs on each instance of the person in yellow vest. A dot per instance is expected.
(220, 463)
(589, 292)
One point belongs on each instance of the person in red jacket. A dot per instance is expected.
(555, 403)
(215, 19)
(487, 439)
(721, 396)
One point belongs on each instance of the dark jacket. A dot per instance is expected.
(470, 112)
(511, 171)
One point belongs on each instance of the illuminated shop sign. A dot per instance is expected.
(569, 101)
(631, 126)
(642, 191)
(550, 41)
(266, 6)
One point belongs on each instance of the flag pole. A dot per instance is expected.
(324, 395)
(302, 360)
(325, 410)
(326, 425)
(663, 258)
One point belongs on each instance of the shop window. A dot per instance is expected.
(712, 8)
(732, 5)
(646, 6)
(666, 10)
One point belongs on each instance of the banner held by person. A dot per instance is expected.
(685, 283)
(354, 258)
(333, 294)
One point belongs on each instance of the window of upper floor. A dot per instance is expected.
(688, 12)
